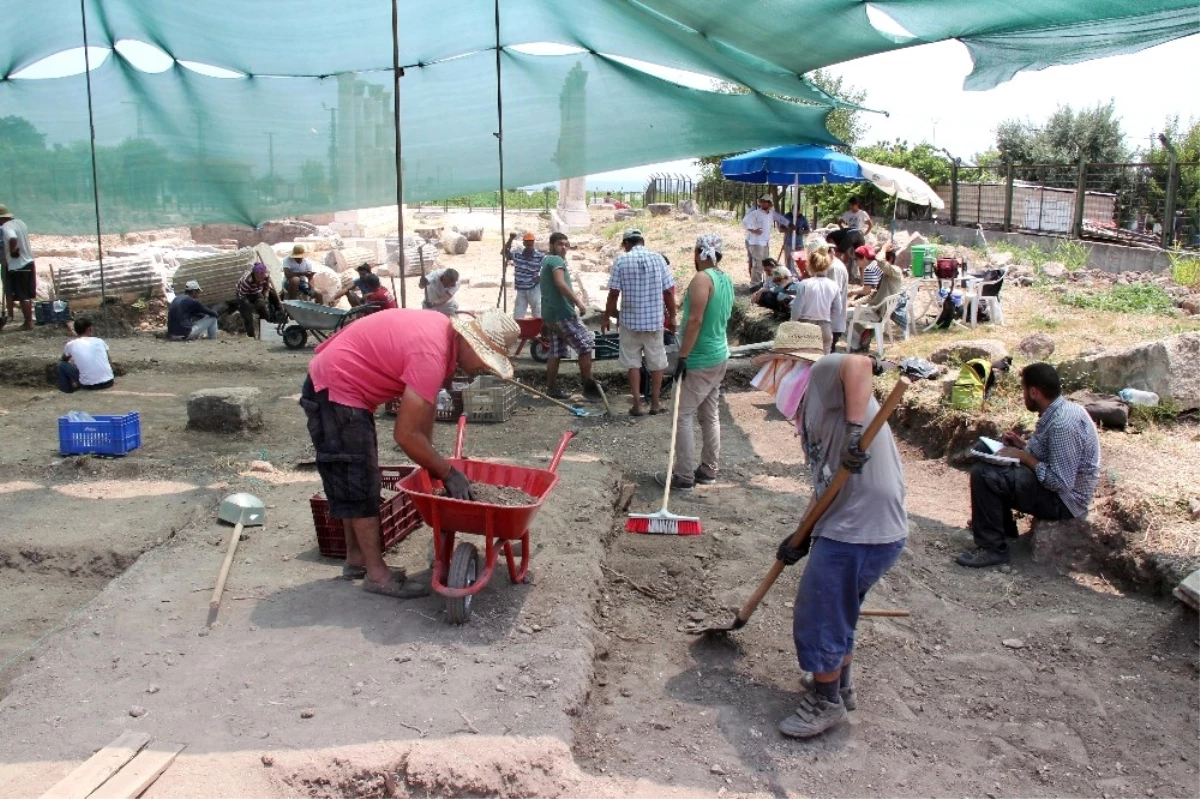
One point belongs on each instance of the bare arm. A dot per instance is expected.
(855, 372)
(699, 291)
(413, 433)
(560, 282)
(610, 309)
(669, 309)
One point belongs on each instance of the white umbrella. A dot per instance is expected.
(900, 183)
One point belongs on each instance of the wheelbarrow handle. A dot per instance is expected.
(458, 438)
(562, 447)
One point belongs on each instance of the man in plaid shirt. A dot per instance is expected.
(1055, 479)
(644, 279)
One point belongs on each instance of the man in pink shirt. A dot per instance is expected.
(394, 353)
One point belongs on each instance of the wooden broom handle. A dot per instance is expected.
(825, 500)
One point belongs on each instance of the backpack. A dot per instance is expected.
(970, 389)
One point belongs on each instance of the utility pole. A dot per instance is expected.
(271, 154)
(1168, 222)
(138, 109)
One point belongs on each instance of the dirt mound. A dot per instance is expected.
(72, 562)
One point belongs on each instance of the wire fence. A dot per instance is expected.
(1140, 204)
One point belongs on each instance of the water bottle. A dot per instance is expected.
(1135, 397)
(80, 416)
(445, 403)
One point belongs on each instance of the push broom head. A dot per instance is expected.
(662, 523)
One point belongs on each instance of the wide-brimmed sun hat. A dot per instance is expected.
(799, 339)
(298, 250)
(5, 213)
(491, 335)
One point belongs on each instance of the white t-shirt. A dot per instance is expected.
(90, 356)
(301, 267)
(15, 229)
(758, 219)
(857, 220)
(435, 293)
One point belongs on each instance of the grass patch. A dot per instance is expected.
(1167, 410)
(1133, 299)
(1185, 269)
(1045, 323)
(1071, 254)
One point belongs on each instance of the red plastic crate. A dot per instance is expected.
(397, 516)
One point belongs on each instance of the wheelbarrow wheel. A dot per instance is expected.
(464, 567)
(294, 337)
(540, 350)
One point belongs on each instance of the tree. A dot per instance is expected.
(1067, 136)
(1187, 144)
(18, 134)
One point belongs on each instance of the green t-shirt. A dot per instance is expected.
(555, 307)
(712, 345)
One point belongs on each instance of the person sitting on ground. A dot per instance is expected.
(561, 321)
(408, 354)
(855, 218)
(1057, 476)
(819, 300)
(779, 294)
(256, 294)
(641, 279)
(527, 274)
(440, 287)
(188, 318)
(703, 359)
(84, 364)
(298, 272)
(858, 538)
(374, 293)
(19, 269)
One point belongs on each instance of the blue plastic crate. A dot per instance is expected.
(107, 435)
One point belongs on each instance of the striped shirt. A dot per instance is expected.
(642, 276)
(527, 269)
(248, 288)
(1068, 452)
(872, 275)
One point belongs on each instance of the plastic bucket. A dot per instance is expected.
(922, 254)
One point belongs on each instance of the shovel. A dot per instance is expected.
(810, 521)
(574, 409)
(240, 510)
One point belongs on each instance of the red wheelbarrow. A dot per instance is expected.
(533, 332)
(456, 574)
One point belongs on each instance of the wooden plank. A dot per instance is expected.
(133, 780)
(99, 767)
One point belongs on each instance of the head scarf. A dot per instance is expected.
(709, 245)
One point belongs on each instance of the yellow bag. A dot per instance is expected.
(970, 388)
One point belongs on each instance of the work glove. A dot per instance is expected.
(791, 555)
(681, 369)
(853, 456)
(457, 485)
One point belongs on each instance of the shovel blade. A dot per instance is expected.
(720, 629)
(244, 509)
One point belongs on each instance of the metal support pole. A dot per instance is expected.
(87, 63)
(1008, 199)
(397, 74)
(503, 299)
(1168, 220)
(954, 192)
(1080, 196)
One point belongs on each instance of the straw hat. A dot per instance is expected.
(5, 213)
(491, 335)
(799, 339)
(298, 250)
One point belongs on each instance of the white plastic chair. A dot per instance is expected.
(976, 298)
(889, 305)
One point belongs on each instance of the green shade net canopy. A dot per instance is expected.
(302, 121)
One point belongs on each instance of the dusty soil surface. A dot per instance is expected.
(583, 681)
(496, 495)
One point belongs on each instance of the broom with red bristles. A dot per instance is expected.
(664, 522)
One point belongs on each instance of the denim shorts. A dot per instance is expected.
(835, 582)
(347, 454)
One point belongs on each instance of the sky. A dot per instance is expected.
(921, 89)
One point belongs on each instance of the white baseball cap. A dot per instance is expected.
(191, 285)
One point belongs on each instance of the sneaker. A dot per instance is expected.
(849, 695)
(815, 715)
(704, 478)
(677, 483)
(982, 558)
(558, 393)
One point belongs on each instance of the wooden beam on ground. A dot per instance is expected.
(141, 772)
(99, 767)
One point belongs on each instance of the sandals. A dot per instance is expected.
(351, 572)
(397, 587)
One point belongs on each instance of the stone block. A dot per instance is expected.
(963, 351)
(1036, 347)
(225, 410)
(660, 209)
(1105, 410)
(1061, 543)
(1169, 367)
